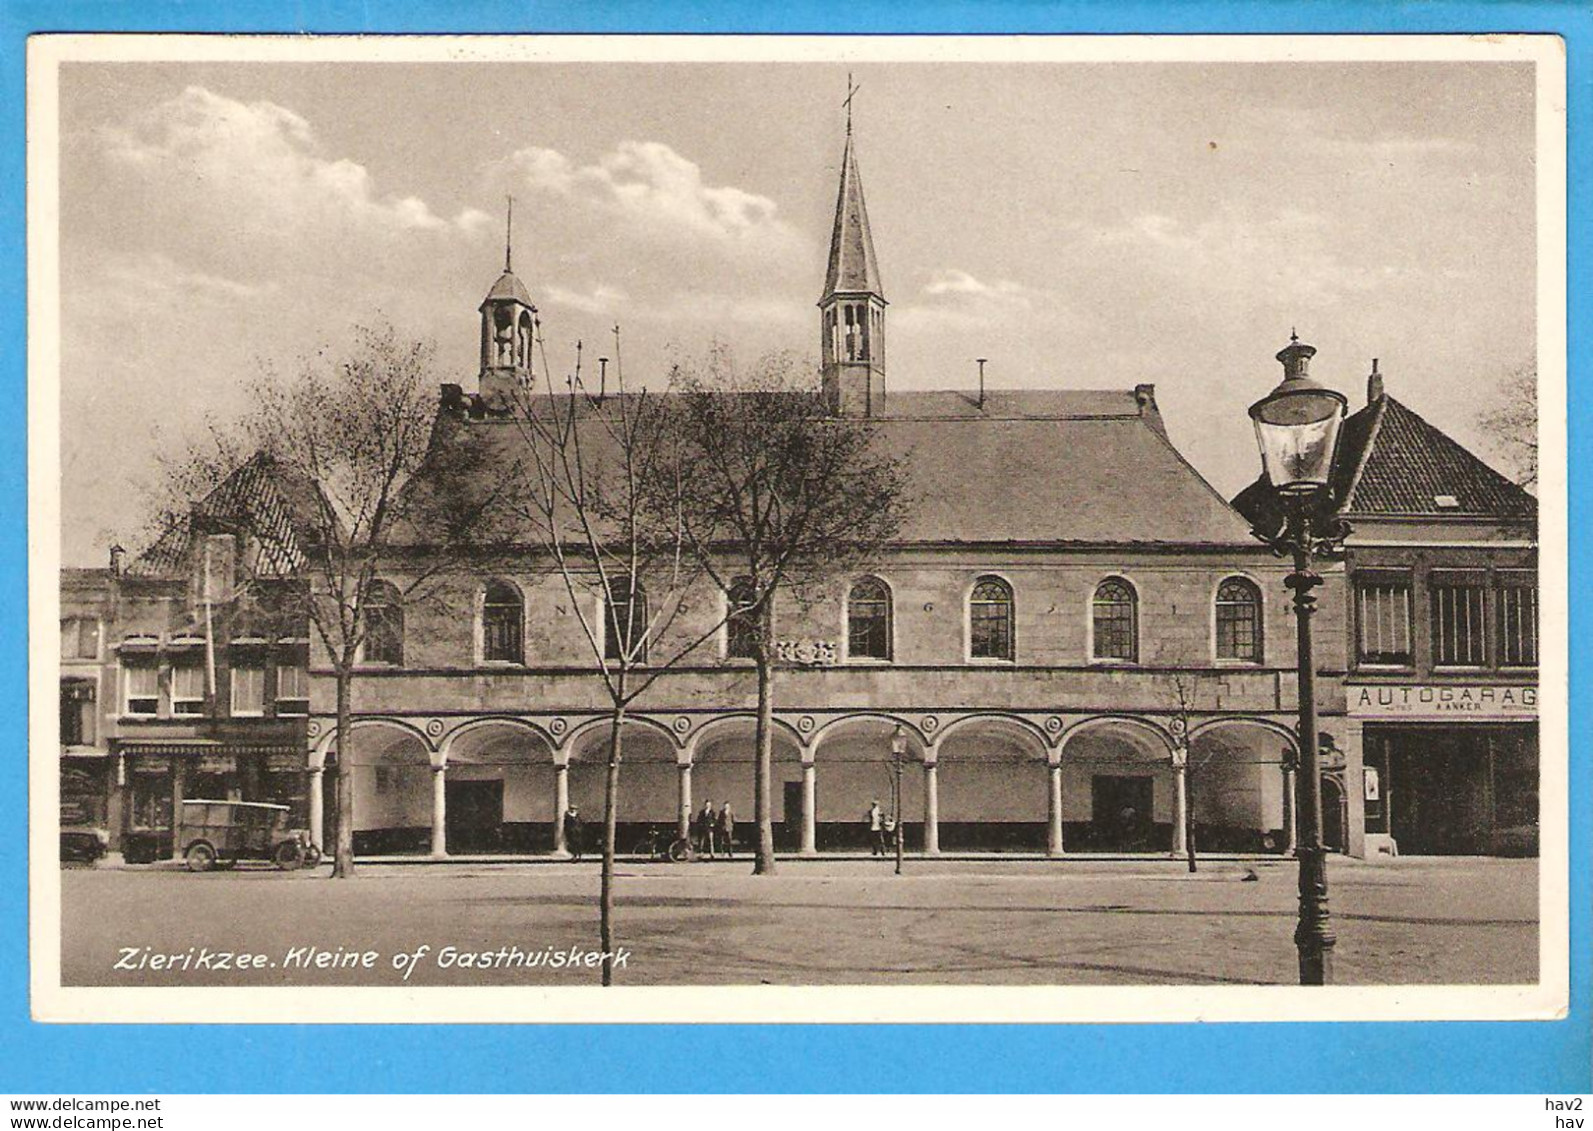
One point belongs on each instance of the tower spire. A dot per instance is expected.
(852, 307)
(508, 241)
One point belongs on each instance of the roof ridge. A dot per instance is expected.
(1163, 438)
(1379, 409)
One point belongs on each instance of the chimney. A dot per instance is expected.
(981, 362)
(118, 552)
(1374, 385)
(1145, 397)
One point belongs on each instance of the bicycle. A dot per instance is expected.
(671, 850)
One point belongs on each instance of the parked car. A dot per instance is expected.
(220, 833)
(83, 844)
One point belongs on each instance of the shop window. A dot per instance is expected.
(248, 689)
(1518, 620)
(80, 638)
(1239, 620)
(741, 628)
(188, 687)
(625, 623)
(1460, 636)
(502, 618)
(293, 687)
(868, 620)
(77, 712)
(1114, 618)
(142, 684)
(384, 625)
(1382, 621)
(990, 614)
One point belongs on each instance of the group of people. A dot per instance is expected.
(714, 831)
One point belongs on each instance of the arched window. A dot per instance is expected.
(625, 622)
(384, 624)
(990, 620)
(868, 620)
(502, 620)
(741, 629)
(1239, 620)
(1115, 616)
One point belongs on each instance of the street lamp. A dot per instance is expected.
(1297, 429)
(898, 758)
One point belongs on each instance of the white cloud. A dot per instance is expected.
(265, 162)
(661, 192)
(953, 297)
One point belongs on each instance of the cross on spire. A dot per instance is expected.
(851, 92)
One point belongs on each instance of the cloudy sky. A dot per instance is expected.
(1082, 226)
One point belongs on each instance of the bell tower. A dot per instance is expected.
(508, 329)
(852, 309)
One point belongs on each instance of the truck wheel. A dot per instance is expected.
(288, 855)
(200, 857)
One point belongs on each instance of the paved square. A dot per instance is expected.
(1444, 921)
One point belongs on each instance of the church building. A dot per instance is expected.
(1080, 642)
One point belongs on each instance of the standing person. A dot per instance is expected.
(727, 830)
(708, 820)
(574, 832)
(876, 828)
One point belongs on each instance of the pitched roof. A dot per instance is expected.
(279, 507)
(1033, 468)
(1392, 463)
(853, 268)
(508, 286)
(1402, 465)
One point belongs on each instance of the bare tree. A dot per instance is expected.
(779, 494)
(1512, 423)
(597, 492)
(341, 496)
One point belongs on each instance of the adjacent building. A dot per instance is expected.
(184, 676)
(1441, 676)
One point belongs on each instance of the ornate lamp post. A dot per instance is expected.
(1297, 429)
(898, 759)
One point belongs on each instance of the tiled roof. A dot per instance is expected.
(280, 510)
(1400, 464)
(1034, 468)
(853, 268)
(1392, 463)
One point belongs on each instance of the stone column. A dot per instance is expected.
(931, 809)
(810, 822)
(317, 806)
(561, 802)
(1053, 839)
(439, 810)
(683, 815)
(1180, 805)
(1290, 825)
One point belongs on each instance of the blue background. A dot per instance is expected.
(1446, 1057)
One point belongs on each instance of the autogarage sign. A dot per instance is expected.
(1454, 702)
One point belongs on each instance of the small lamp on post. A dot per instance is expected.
(898, 760)
(1297, 429)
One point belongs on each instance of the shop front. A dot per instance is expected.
(156, 778)
(1449, 770)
